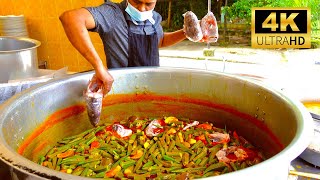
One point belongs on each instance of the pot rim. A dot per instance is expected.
(26, 39)
(298, 144)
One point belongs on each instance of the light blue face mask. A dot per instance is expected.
(136, 15)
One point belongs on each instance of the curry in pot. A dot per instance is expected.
(152, 148)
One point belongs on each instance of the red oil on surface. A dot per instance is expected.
(111, 100)
(52, 120)
(126, 98)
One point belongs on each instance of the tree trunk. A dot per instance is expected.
(169, 14)
(191, 5)
(218, 8)
(225, 24)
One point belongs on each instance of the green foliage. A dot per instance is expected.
(314, 5)
(315, 43)
(241, 9)
(178, 8)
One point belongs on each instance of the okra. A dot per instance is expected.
(243, 165)
(84, 172)
(77, 171)
(234, 167)
(185, 158)
(168, 176)
(216, 166)
(79, 135)
(51, 151)
(184, 148)
(42, 158)
(207, 139)
(100, 174)
(156, 160)
(54, 162)
(73, 160)
(89, 141)
(118, 162)
(148, 164)
(139, 162)
(189, 170)
(196, 145)
(178, 154)
(151, 149)
(167, 139)
(163, 144)
(161, 148)
(164, 156)
(204, 161)
(171, 145)
(201, 155)
(168, 158)
(127, 164)
(88, 161)
(197, 162)
(132, 138)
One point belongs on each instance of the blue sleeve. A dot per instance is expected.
(105, 16)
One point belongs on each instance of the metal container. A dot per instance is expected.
(18, 58)
(256, 111)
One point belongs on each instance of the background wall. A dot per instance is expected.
(42, 17)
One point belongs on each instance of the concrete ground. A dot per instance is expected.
(293, 70)
(241, 53)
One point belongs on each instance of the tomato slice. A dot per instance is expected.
(94, 144)
(109, 128)
(201, 138)
(100, 133)
(232, 157)
(161, 122)
(205, 126)
(250, 152)
(158, 130)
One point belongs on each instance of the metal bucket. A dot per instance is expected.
(281, 126)
(18, 58)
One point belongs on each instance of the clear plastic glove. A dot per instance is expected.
(191, 27)
(209, 28)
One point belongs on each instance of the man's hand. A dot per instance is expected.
(106, 78)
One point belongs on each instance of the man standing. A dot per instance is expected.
(130, 31)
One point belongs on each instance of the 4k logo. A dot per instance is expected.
(280, 28)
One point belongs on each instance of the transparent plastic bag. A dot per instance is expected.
(209, 28)
(93, 97)
(192, 27)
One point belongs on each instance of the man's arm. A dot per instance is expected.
(76, 24)
(171, 38)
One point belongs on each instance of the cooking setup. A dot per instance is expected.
(156, 122)
(228, 94)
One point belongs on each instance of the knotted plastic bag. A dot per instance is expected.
(93, 96)
(209, 28)
(192, 27)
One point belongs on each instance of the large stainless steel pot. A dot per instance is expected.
(221, 98)
(18, 58)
